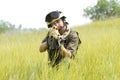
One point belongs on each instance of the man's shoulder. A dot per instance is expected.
(73, 33)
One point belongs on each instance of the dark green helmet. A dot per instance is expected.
(53, 16)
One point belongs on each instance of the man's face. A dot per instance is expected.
(59, 24)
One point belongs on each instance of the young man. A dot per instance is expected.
(61, 41)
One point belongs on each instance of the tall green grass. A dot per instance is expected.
(98, 56)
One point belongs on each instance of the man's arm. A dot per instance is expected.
(44, 45)
(72, 46)
(65, 52)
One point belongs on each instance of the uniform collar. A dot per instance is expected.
(66, 33)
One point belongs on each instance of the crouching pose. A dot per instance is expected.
(61, 41)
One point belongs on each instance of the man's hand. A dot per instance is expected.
(64, 52)
(55, 33)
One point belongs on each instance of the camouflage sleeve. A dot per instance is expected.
(74, 42)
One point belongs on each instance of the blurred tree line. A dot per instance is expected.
(7, 27)
(103, 9)
(4, 25)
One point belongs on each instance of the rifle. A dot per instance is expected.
(54, 43)
(54, 38)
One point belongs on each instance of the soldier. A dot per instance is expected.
(67, 42)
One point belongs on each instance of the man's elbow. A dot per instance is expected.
(41, 50)
(43, 47)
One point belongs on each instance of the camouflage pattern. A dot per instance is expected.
(71, 42)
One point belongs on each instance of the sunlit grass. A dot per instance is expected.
(98, 56)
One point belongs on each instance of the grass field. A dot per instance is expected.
(98, 56)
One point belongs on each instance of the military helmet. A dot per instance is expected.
(53, 16)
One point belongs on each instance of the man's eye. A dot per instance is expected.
(57, 21)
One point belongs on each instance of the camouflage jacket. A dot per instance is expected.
(71, 42)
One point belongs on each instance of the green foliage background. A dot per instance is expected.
(103, 9)
(98, 56)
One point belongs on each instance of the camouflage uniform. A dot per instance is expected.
(71, 43)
